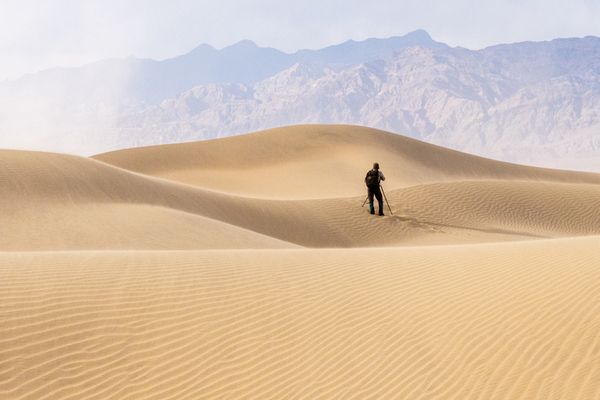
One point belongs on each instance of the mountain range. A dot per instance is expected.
(529, 102)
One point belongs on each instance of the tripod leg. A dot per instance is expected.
(386, 200)
(365, 202)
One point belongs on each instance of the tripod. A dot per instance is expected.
(384, 196)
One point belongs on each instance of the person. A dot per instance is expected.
(372, 180)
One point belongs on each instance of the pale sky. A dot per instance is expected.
(37, 34)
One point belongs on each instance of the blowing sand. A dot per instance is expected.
(246, 268)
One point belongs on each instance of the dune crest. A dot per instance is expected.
(61, 202)
(319, 161)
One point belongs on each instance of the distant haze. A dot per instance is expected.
(40, 34)
(91, 76)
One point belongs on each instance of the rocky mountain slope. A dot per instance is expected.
(527, 102)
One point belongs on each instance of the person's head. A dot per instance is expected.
(376, 165)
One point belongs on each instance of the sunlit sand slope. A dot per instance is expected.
(541, 209)
(498, 321)
(316, 161)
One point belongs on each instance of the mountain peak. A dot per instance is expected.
(203, 48)
(242, 44)
(420, 35)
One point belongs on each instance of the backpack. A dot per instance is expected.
(372, 178)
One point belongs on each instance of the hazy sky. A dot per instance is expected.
(36, 34)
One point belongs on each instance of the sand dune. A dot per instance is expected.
(499, 321)
(318, 161)
(246, 268)
(61, 202)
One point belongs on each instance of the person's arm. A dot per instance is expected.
(381, 176)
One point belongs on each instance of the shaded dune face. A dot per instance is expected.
(246, 268)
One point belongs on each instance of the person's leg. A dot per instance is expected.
(371, 206)
(379, 200)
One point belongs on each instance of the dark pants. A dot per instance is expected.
(375, 191)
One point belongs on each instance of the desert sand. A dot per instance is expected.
(245, 267)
